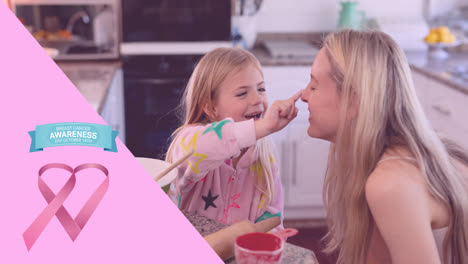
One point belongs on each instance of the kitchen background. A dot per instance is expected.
(131, 60)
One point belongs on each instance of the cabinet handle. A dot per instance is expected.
(442, 109)
(294, 164)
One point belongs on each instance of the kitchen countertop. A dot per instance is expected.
(292, 254)
(439, 70)
(92, 79)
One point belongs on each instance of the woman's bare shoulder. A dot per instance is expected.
(395, 174)
(397, 184)
(401, 206)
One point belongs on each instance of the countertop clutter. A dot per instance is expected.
(292, 254)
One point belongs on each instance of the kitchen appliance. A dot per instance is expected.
(153, 87)
(175, 26)
(175, 20)
(77, 29)
(162, 42)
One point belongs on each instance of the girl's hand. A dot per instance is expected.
(279, 114)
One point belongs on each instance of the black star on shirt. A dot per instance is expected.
(209, 200)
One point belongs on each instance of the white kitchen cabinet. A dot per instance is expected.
(303, 160)
(445, 107)
(113, 109)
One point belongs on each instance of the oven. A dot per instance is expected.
(163, 40)
(153, 89)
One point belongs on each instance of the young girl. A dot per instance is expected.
(395, 192)
(233, 173)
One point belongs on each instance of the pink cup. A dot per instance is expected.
(256, 248)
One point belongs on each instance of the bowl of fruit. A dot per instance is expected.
(438, 39)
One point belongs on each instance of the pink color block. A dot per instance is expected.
(134, 223)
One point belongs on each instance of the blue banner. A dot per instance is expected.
(73, 134)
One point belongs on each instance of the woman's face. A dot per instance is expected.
(321, 96)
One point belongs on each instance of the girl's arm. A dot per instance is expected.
(212, 145)
(400, 206)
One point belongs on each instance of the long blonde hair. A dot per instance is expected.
(213, 68)
(370, 67)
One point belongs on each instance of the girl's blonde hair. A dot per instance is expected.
(370, 68)
(213, 68)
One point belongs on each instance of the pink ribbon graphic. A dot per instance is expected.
(55, 203)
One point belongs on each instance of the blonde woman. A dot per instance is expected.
(395, 193)
(232, 174)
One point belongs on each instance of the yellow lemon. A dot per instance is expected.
(444, 30)
(447, 38)
(440, 34)
(431, 39)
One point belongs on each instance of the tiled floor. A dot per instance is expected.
(309, 237)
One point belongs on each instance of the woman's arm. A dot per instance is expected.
(378, 251)
(400, 206)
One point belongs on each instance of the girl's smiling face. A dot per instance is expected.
(321, 96)
(241, 96)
